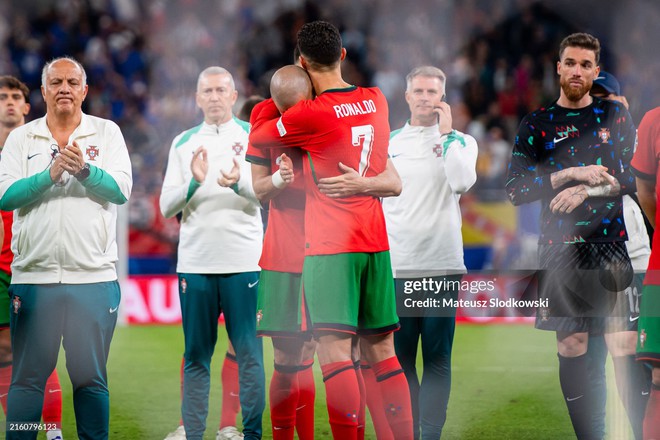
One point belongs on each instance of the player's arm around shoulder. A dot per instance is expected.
(291, 129)
(351, 183)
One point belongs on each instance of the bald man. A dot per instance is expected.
(277, 178)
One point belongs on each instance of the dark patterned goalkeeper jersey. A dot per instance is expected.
(554, 138)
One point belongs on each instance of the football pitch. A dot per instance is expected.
(505, 386)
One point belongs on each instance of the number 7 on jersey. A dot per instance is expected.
(363, 135)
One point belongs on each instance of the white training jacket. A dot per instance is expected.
(221, 229)
(64, 232)
(424, 222)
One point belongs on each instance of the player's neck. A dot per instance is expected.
(583, 102)
(322, 81)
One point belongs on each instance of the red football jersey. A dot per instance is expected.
(6, 256)
(284, 241)
(341, 125)
(645, 165)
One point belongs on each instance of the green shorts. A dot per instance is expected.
(279, 304)
(648, 333)
(352, 293)
(5, 281)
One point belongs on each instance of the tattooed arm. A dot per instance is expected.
(570, 198)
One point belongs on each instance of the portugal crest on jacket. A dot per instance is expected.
(92, 152)
(238, 148)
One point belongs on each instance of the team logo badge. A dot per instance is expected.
(545, 313)
(604, 134)
(260, 316)
(642, 338)
(184, 285)
(238, 148)
(92, 152)
(437, 150)
(16, 304)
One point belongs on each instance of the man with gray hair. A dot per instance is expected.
(436, 164)
(218, 255)
(63, 175)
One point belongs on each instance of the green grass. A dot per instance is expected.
(505, 386)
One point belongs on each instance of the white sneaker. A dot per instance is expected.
(178, 434)
(54, 434)
(229, 433)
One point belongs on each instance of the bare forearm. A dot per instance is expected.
(262, 183)
(561, 178)
(386, 184)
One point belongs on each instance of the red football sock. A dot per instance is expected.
(396, 397)
(183, 362)
(362, 415)
(652, 415)
(231, 404)
(52, 410)
(343, 398)
(306, 396)
(284, 394)
(375, 404)
(5, 380)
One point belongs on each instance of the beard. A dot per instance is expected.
(572, 93)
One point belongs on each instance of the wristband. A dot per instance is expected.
(599, 191)
(277, 180)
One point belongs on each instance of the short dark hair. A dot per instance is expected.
(13, 83)
(319, 43)
(583, 40)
